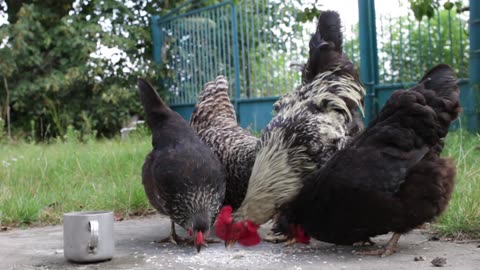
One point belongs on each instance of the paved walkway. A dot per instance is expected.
(42, 248)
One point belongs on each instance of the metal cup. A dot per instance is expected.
(88, 236)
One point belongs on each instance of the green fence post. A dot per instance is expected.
(157, 39)
(368, 54)
(473, 114)
(235, 58)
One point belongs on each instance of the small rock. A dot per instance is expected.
(236, 257)
(419, 258)
(118, 217)
(59, 251)
(478, 246)
(439, 261)
(434, 238)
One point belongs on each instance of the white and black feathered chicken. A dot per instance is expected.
(182, 177)
(311, 124)
(215, 122)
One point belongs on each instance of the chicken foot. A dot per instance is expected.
(211, 241)
(276, 238)
(389, 249)
(364, 243)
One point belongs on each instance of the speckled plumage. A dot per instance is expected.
(215, 122)
(182, 177)
(311, 124)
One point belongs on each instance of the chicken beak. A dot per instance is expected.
(199, 246)
(199, 240)
(230, 243)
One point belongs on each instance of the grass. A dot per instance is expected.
(40, 182)
(462, 217)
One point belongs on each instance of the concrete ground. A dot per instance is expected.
(42, 248)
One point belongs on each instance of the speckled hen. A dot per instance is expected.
(215, 122)
(182, 177)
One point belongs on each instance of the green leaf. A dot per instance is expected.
(430, 12)
(448, 5)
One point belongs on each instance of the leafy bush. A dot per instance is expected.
(57, 77)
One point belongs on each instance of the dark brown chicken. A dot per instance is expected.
(182, 177)
(390, 178)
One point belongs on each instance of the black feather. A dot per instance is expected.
(330, 29)
(326, 48)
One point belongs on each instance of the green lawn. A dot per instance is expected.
(40, 182)
(463, 213)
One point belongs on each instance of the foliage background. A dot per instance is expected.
(54, 72)
(74, 63)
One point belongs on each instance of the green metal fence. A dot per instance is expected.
(407, 47)
(399, 49)
(259, 45)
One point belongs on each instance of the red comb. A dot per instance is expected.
(225, 214)
(224, 220)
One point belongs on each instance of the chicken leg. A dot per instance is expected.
(389, 249)
(174, 238)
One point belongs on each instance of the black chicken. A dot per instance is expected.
(182, 177)
(215, 122)
(390, 178)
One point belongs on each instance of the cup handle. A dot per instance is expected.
(93, 243)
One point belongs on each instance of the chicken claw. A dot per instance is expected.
(275, 238)
(388, 250)
(364, 243)
(174, 238)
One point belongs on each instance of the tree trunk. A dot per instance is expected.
(7, 109)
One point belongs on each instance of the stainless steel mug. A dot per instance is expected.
(88, 236)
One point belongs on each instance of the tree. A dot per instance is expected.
(427, 8)
(53, 68)
(55, 74)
